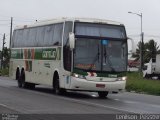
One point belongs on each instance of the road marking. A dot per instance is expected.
(96, 104)
(116, 99)
(130, 102)
(3, 105)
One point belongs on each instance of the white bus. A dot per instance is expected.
(77, 54)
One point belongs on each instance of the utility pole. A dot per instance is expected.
(11, 27)
(142, 36)
(4, 37)
(142, 52)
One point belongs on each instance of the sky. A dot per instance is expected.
(28, 11)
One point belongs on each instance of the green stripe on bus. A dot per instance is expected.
(109, 74)
(37, 53)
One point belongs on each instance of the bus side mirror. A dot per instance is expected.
(72, 40)
(133, 46)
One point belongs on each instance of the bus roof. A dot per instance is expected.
(60, 20)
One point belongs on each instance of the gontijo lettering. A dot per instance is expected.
(49, 54)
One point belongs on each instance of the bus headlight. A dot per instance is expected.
(122, 79)
(78, 76)
(75, 75)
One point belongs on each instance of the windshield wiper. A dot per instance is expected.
(105, 55)
(107, 59)
(98, 53)
(95, 60)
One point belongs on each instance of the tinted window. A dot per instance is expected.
(66, 48)
(57, 38)
(32, 37)
(100, 30)
(26, 37)
(39, 36)
(48, 36)
(68, 28)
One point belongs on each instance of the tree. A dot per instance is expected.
(6, 57)
(150, 49)
(137, 54)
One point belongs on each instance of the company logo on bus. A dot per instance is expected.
(49, 54)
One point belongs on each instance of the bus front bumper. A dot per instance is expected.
(85, 85)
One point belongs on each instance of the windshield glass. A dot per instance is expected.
(100, 55)
(100, 30)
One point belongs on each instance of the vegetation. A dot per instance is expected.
(150, 49)
(138, 84)
(135, 80)
(6, 57)
(4, 71)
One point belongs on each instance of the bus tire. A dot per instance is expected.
(21, 80)
(29, 85)
(19, 83)
(17, 73)
(22, 83)
(56, 86)
(102, 94)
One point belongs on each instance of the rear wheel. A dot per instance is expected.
(21, 79)
(102, 94)
(19, 83)
(22, 83)
(17, 73)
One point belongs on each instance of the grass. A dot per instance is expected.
(138, 84)
(4, 72)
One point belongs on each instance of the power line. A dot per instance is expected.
(148, 35)
(4, 24)
(4, 20)
(24, 20)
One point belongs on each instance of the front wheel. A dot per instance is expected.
(57, 89)
(102, 94)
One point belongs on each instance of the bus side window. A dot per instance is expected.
(13, 39)
(57, 37)
(49, 34)
(32, 37)
(40, 36)
(25, 37)
(19, 38)
(66, 48)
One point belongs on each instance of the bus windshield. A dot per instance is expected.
(100, 30)
(95, 53)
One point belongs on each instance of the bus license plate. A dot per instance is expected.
(100, 85)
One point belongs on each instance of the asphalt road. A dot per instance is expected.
(42, 101)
